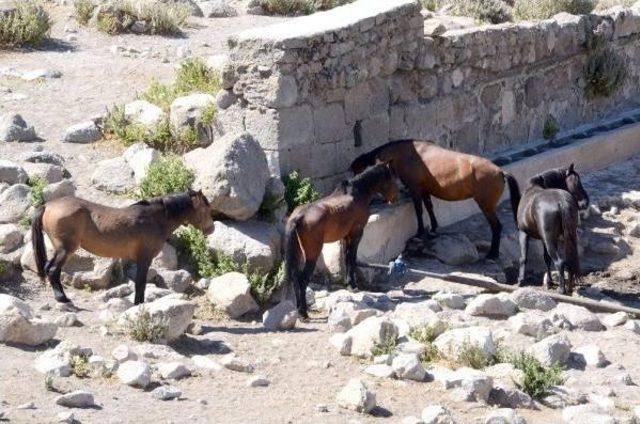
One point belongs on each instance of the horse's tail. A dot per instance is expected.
(569, 227)
(514, 193)
(291, 252)
(37, 241)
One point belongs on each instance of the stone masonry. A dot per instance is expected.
(319, 90)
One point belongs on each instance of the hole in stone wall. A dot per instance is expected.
(357, 134)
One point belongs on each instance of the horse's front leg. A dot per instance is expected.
(524, 247)
(426, 198)
(417, 205)
(305, 275)
(142, 268)
(352, 255)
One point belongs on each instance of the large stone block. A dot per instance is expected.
(330, 124)
(281, 129)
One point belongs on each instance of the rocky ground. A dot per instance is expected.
(221, 359)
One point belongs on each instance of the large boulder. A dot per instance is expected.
(17, 324)
(532, 323)
(470, 385)
(12, 173)
(135, 373)
(407, 366)
(113, 176)
(451, 343)
(14, 203)
(454, 249)
(190, 113)
(528, 298)
(369, 333)
(552, 350)
(57, 361)
(222, 173)
(283, 316)
(60, 189)
(254, 242)
(143, 113)
(14, 128)
(10, 237)
(44, 171)
(231, 293)
(43, 156)
(579, 317)
(356, 396)
(84, 132)
(171, 311)
(140, 157)
(492, 305)
(100, 277)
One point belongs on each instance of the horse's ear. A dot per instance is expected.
(570, 170)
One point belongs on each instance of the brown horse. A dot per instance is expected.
(136, 233)
(429, 170)
(340, 216)
(549, 210)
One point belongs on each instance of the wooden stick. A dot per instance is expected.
(497, 287)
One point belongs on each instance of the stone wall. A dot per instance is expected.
(317, 91)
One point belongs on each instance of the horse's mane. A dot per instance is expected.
(366, 179)
(369, 158)
(552, 178)
(173, 204)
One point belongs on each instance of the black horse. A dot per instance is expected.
(548, 209)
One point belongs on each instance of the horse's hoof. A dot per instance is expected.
(492, 256)
(303, 316)
(62, 298)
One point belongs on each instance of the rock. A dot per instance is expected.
(135, 373)
(437, 414)
(123, 353)
(632, 325)
(68, 319)
(76, 399)
(43, 157)
(143, 113)
(218, 9)
(528, 298)
(175, 313)
(221, 65)
(221, 174)
(342, 342)
(99, 278)
(41, 73)
(64, 417)
(14, 128)
(231, 292)
(117, 292)
(201, 361)
(84, 132)
(258, 381)
(113, 176)
(610, 320)
(604, 247)
(418, 314)
(454, 249)
(533, 324)
(10, 237)
(166, 393)
(44, 171)
(592, 356)
(408, 367)
(166, 259)
(579, 317)
(449, 300)
(188, 113)
(492, 305)
(140, 157)
(508, 396)
(504, 416)
(254, 242)
(370, 332)
(471, 385)
(552, 350)
(17, 325)
(356, 396)
(380, 371)
(283, 316)
(173, 370)
(233, 363)
(152, 293)
(588, 413)
(450, 343)
(339, 320)
(57, 361)
(60, 189)
(12, 173)
(178, 281)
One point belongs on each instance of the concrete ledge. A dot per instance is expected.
(390, 227)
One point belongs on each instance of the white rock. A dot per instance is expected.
(100, 277)
(113, 176)
(143, 113)
(454, 249)
(84, 132)
(12, 173)
(258, 381)
(579, 317)
(232, 293)
(370, 332)
(187, 113)
(10, 237)
(233, 363)
(532, 323)
(449, 300)
(471, 385)
(178, 281)
(57, 361)
(451, 342)
(528, 298)
(140, 157)
(173, 370)
(632, 325)
(380, 371)
(616, 319)
(14, 203)
(14, 128)
(218, 9)
(44, 171)
(68, 319)
(283, 316)
(76, 399)
(356, 396)
(504, 416)
(408, 366)
(17, 324)
(201, 361)
(123, 353)
(173, 312)
(437, 414)
(64, 417)
(552, 350)
(135, 373)
(166, 393)
(492, 305)
(592, 355)
(60, 189)
(342, 342)
(418, 314)
(411, 420)
(588, 413)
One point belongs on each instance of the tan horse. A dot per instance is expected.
(429, 170)
(136, 233)
(340, 216)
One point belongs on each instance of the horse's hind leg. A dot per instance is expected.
(524, 247)
(351, 255)
(142, 268)
(547, 279)
(496, 229)
(426, 198)
(301, 294)
(54, 271)
(554, 255)
(417, 205)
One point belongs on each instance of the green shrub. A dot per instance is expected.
(160, 18)
(605, 73)
(537, 379)
(36, 190)
(166, 176)
(288, 7)
(263, 285)
(28, 25)
(386, 346)
(25, 221)
(529, 10)
(471, 355)
(607, 4)
(550, 128)
(3, 268)
(431, 5)
(80, 365)
(426, 335)
(489, 11)
(298, 190)
(142, 327)
(83, 10)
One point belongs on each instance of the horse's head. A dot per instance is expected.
(201, 217)
(361, 163)
(574, 186)
(388, 187)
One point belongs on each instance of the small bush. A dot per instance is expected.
(298, 190)
(167, 176)
(37, 186)
(537, 379)
(263, 285)
(80, 366)
(385, 346)
(426, 335)
(489, 11)
(28, 25)
(431, 5)
(142, 327)
(605, 73)
(472, 356)
(49, 383)
(288, 7)
(550, 128)
(25, 221)
(160, 18)
(83, 10)
(3, 268)
(607, 4)
(529, 10)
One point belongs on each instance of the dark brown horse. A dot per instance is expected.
(340, 216)
(136, 233)
(547, 211)
(429, 170)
